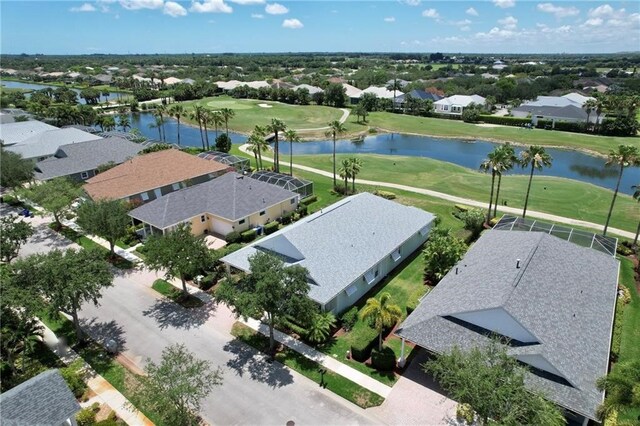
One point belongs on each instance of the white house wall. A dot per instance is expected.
(499, 321)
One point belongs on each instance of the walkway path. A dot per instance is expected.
(326, 361)
(345, 115)
(105, 392)
(467, 201)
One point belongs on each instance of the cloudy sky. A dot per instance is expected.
(212, 26)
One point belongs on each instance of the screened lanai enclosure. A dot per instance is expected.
(239, 163)
(292, 183)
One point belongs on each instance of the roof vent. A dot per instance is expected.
(517, 263)
(456, 270)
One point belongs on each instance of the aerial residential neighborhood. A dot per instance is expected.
(319, 213)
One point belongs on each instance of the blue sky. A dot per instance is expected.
(212, 26)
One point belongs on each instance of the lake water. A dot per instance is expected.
(567, 164)
(35, 86)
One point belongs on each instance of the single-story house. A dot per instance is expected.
(42, 400)
(578, 98)
(570, 99)
(45, 144)
(381, 92)
(170, 81)
(150, 176)
(347, 247)
(80, 161)
(231, 202)
(15, 133)
(417, 94)
(552, 300)
(454, 105)
(569, 113)
(312, 89)
(352, 92)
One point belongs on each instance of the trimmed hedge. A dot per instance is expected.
(248, 236)
(302, 210)
(233, 237)
(385, 194)
(412, 305)
(362, 343)
(505, 121)
(349, 318)
(271, 227)
(287, 217)
(384, 360)
(310, 199)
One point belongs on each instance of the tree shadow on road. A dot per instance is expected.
(49, 238)
(168, 313)
(249, 361)
(102, 332)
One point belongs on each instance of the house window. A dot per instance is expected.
(84, 175)
(396, 255)
(424, 230)
(445, 107)
(203, 218)
(351, 289)
(175, 186)
(293, 201)
(145, 196)
(241, 221)
(262, 213)
(371, 275)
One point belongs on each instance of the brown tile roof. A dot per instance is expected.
(148, 172)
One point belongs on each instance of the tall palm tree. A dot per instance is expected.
(161, 111)
(292, 136)
(156, 125)
(589, 106)
(345, 173)
(395, 85)
(206, 119)
(636, 195)
(335, 128)
(259, 142)
(491, 164)
(356, 167)
(196, 115)
(216, 119)
(536, 157)
(276, 127)
(382, 313)
(507, 160)
(227, 114)
(178, 112)
(624, 156)
(123, 121)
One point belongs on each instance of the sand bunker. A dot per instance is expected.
(264, 106)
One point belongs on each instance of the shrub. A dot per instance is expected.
(473, 221)
(349, 318)
(302, 210)
(287, 217)
(320, 327)
(248, 236)
(616, 339)
(69, 216)
(385, 194)
(271, 227)
(310, 199)
(74, 380)
(233, 237)
(208, 281)
(384, 360)
(107, 422)
(461, 208)
(567, 126)
(505, 121)
(362, 343)
(86, 417)
(465, 414)
(624, 250)
(412, 305)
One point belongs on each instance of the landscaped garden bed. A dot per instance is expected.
(178, 296)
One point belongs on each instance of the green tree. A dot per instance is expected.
(14, 170)
(55, 196)
(360, 111)
(178, 253)
(107, 123)
(276, 127)
(345, 173)
(270, 288)
(381, 313)
(492, 383)
(320, 327)
(624, 156)
(291, 136)
(537, 158)
(107, 219)
(505, 162)
(636, 196)
(369, 101)
(123, 122)
(356, 167)
(622, 387)
(177, 111)
(13, 234)
(223, 143)
(336, 128)
(490, 165)
(227, 114)
(197, 115)
(473, 221)
(174, 389)
(441, 253)
(258, 144)
(335, 95)
(394, 86)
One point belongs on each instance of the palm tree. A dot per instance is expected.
(320, 327)
(276, 127)
(161, 110)
(157, 125)
(507, 160)
(625, 156)
(196, 115)
(345, 173)
(123, 121)
(536, 157)
(227, 114)
(178, 112)
(395, 85)
(382, 313)
(292, 136)
(335, 128)
(258, 144)
(205, 116)
(599, 108)
(356, 167)
(589, 106)
(621, 386)
(490, 164)
(216, 119)
(636, 195)
(107, 123)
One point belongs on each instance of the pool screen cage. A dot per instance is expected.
(239, 163)
(292, 183)
(582, 238)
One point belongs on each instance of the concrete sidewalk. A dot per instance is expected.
(323, 359)
(105, 392)
(104, 243)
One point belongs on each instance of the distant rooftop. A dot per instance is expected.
(14, 133)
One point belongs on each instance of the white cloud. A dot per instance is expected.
(293, 24)
(276, 9)
(174, 9)
(430, 13)
(211, 6)
(257, 15)
(465, 28)
(142, 4)
(86, 7)
(509, 23)
(411, 2)
(462, 23)
(390, 19)
(558, 11)
(594, 22)
(245, 2)
(471, 11)
(503, 4)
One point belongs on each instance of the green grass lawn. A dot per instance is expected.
(168, 290)
(249, 114)
(553, 195)
(336, 383)
(454, 128)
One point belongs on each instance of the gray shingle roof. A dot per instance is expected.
(340, 243)
(13, 133)
(563, 294)
(419, 94)
(79, 157)
(230, 196)
(570, 111)
(46, 143)
(44, 400)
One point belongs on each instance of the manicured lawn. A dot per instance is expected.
(168, 290)
(249, 114)
(453, 128)
(337, 384)
(558, 196)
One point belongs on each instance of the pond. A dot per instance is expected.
(566, 164)
(35, 86)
